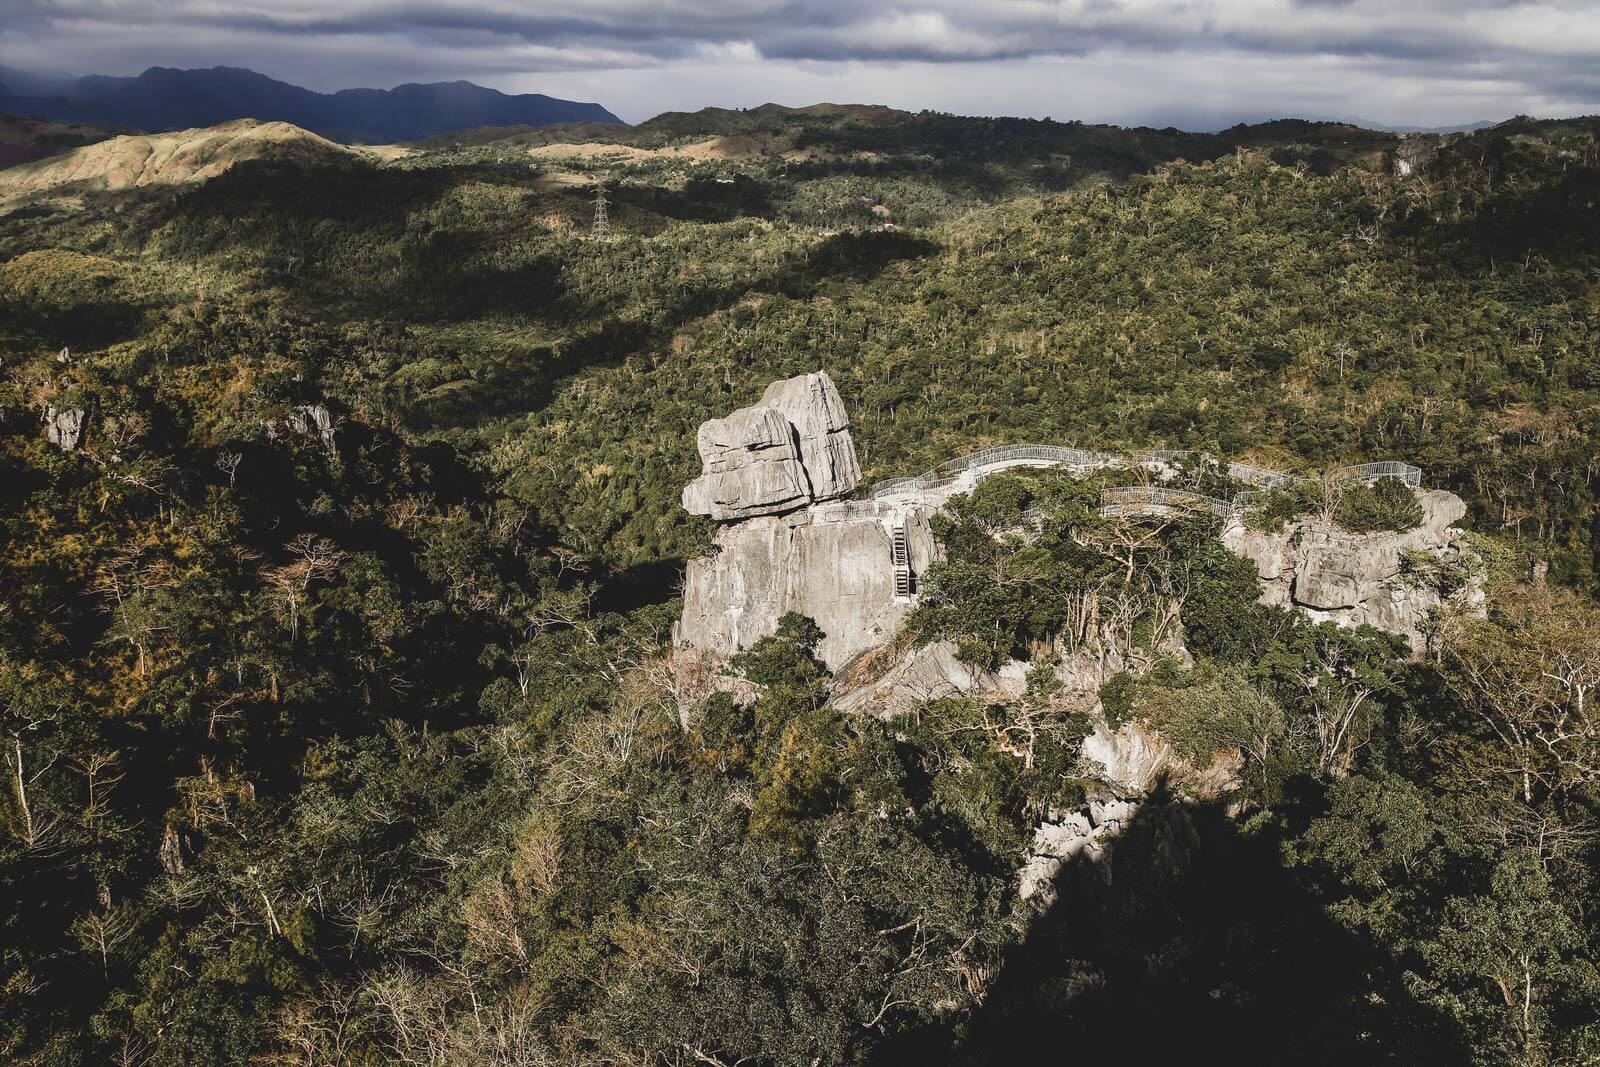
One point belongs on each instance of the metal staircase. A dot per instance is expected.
(904, 584)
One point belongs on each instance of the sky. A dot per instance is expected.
(1197, 64)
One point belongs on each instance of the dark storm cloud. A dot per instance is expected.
(1504, 49)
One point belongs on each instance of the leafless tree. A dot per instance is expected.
(321, 1029)
(1532, 673)
(228, 463)
(315, 559)
(25, 765)
(1331, 488)
(102, 932)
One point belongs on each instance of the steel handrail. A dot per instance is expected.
(998, 457)
(1385, 468)
(1141, 499)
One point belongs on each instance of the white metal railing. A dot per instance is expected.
(1257, 476)
(985, 461)
(1167, 457)
(989, 460)
(1153, 500)
(1387, 468)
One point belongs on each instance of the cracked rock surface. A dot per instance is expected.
(790, 450)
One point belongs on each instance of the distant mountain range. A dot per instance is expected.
(166, 99)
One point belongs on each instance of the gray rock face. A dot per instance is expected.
(751, 466)
(790, 450)
(313, 422)
(1356, 579)
(1090, 834)
(1332, 572)
(64, 428)
(1413, 155)
(1133, 758)
(1056, 844)
(812, 405)
(836, 572)
(930, 672)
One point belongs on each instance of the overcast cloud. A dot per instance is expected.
(1191, 63)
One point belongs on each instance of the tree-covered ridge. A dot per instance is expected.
(374, 753)
(1238, 306)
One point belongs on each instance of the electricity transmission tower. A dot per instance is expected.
(601, 231)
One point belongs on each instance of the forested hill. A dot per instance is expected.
(163, 98)
(361, 746)
(1057, 153)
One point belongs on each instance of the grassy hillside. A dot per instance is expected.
(371, 754)
(182, 156)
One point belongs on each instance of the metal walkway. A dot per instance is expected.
(973, 467)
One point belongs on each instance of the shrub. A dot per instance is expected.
(1386, 504)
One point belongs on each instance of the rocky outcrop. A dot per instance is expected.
(834, 569)
(1085, 834)
(770, 471)
(751, 466)
(812, 405)
(929, 672)
(790, 450)
(1089, 836)
(314, 424)
(64, 428)
(1358, 579)
(1133, 759)
(1412, 155)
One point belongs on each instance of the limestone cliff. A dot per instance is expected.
(769, 472)
(812, 406)
(1358, 579)
(852, 568)
(64, 428)
(823, 562)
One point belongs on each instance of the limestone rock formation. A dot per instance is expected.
(314, 423)
(1356, 579)
(1089, 834)
(64, 428)
(1132, 759)
(930, 672)
(835, 570)
(1412, 155)
(751, 466)
(1056, 844)
(790, 450)
(812, 405)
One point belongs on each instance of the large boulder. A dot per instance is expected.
(812, 405)
(750, 466)
(313, 422)
(790, 450)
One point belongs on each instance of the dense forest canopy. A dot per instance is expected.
(363, 746)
